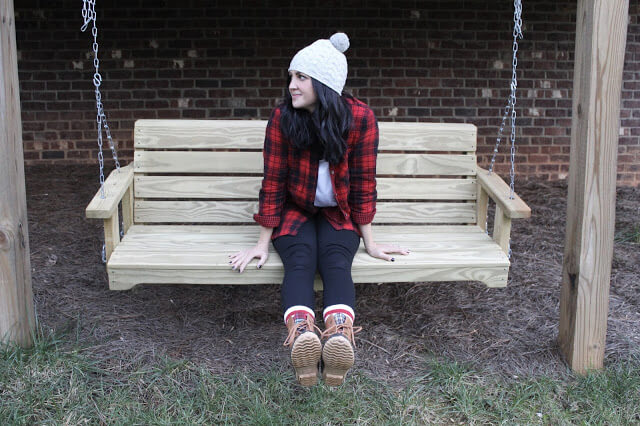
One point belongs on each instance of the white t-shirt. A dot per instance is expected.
(324, 190)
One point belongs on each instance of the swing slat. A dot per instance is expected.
(236, 134)
(252, 162)
(242, 212)
(247, 187)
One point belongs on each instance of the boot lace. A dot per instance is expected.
(348, 331)
(298, 329)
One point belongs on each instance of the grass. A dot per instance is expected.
(629, 234)
(58, 382)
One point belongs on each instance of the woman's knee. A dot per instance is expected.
(336, 257)
(299, 257)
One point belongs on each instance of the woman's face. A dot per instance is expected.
(301, 90)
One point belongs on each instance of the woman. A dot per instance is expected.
(318, 198)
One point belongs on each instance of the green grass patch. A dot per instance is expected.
(630, 234)
(57, 382)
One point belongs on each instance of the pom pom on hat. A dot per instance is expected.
(324, 61)
(340, 41)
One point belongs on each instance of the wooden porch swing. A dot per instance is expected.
(189, 196)
(187, 202)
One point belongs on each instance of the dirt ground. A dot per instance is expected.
(510, 331)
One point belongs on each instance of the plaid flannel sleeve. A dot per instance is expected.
(273, 190)
(362, 171)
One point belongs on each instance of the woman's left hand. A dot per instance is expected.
(383, 251)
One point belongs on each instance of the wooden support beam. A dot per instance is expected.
(127, 209)
(482, 205)
(502, 230)
(111, 234)
(16, 299)
(601, 31)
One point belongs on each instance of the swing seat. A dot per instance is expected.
(188, 200)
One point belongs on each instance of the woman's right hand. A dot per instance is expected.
(241, 259)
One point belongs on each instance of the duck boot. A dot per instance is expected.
(338, 352)
(306, 348)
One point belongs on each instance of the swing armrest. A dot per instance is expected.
(499, 192)
(115, 186)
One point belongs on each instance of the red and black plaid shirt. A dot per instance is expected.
(291, 175)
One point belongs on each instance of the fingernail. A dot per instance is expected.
(259, 266)
(229, 261)
(393, 259)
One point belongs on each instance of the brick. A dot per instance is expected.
(195, 93)
(419, 112)
(245, 112)
(555, 131)
(441, 93)
(442, 112)
(380, 102)
(79, 154)
(219, 113)
(539, 158)
(367, 91)
(465, 112)
(32, 156)
(406, 82)
(193, 113)
(257, 102)
(47, 155)
(217, 83)
(429, 102)
(453, 102)
(406, 102)
(156, 104)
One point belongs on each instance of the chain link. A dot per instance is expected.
(510, 109)
(89, 17)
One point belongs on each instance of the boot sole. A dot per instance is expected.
(337, 358)
(305, 356)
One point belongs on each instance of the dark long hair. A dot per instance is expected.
(325, 129)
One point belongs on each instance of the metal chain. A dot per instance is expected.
(507, 110)
(510, 109)
(517, 33)
(89, 16)
(511, 102)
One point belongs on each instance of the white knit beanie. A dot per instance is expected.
(324, 61)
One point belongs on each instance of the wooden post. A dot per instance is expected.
(601, 31)
(16, 298)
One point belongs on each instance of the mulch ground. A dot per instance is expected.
(510, 331)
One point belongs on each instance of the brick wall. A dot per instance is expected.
(446, 60)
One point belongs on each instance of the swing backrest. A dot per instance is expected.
(209, 171)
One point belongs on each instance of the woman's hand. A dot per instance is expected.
(241, 259)
(383, 251)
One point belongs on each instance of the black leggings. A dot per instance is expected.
(317, 245)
